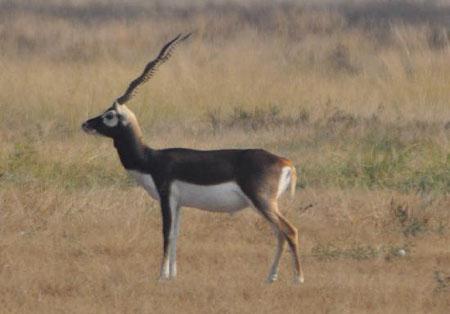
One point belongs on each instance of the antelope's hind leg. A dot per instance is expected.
(285, 231)
(291, 234)
(281, 241)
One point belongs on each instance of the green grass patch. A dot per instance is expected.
(380, 158)
(25, 165)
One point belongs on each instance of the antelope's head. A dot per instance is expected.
(118, 119)
(111, 123)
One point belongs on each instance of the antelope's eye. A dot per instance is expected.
(109, 115)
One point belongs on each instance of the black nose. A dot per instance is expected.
(85, 126)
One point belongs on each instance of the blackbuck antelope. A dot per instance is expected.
(226, 180)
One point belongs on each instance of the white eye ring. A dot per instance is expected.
(110, 119)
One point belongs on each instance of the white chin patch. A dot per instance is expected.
(95, 133)
(90, 131)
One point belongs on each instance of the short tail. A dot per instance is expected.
(293, 183)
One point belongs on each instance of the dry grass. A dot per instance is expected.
(355, 94)
(98, 252)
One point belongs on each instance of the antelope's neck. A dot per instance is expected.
(133, 153)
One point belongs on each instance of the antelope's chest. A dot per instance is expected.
(146, 181)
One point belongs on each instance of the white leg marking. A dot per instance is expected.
(169, 259)
(273, 275)
(298, 276)
(164, 274)
(173, 241)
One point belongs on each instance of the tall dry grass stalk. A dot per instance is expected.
(83, 54)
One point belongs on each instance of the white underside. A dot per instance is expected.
(223, 197)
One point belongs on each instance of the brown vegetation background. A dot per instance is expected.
(356, 93)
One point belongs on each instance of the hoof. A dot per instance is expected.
(272, 278)
(173, 274)
(298, 280)
(163, 279)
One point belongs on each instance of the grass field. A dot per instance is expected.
(356, 93)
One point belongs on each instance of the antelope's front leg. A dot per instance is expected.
(175, 210)
(167, 226)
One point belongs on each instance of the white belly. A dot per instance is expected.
(224, 197)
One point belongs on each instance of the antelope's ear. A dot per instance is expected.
(122, 113)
